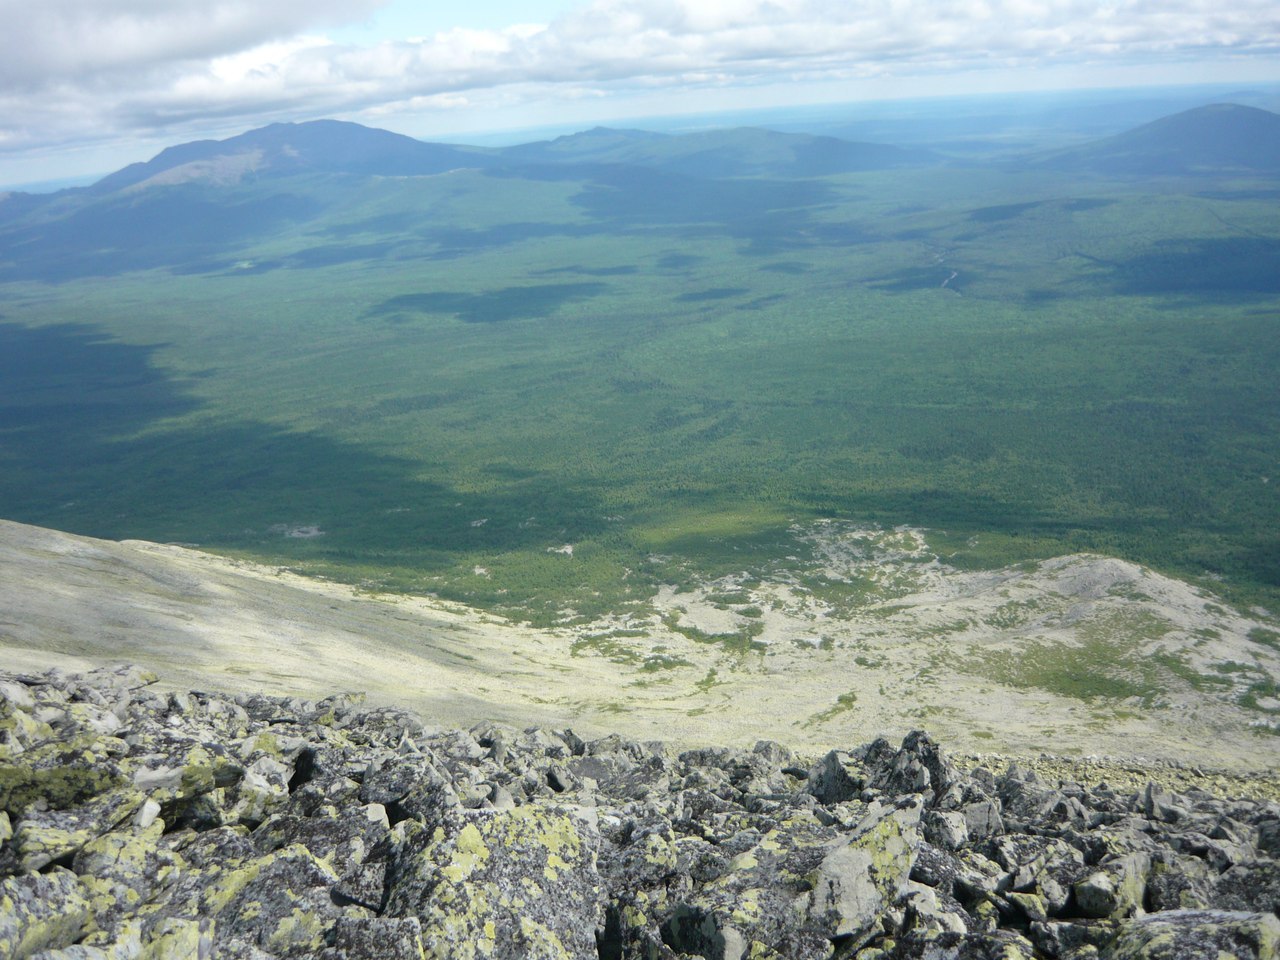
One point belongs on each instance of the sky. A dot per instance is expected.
(87, 86)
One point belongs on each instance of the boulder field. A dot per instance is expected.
(144, 824)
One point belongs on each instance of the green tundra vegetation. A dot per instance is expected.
(440, 383)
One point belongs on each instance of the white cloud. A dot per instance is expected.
(52, 42)
(263, 60)
(73, 69)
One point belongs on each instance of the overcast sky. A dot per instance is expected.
(89, 85)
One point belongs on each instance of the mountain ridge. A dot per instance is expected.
(192, 201)
(1222, 133)
(315, 145)
(333, 146)
(1216, 138)
(182, 207)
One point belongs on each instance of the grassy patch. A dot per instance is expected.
(1265, 637)
(844, 703)
(661, 661)
(1112, 661)
(738, 641)
(709, 681)
(1266, 688)
(1095, 670)
(1179, 667)
(608, 646)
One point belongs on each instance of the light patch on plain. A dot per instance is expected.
(300, 532)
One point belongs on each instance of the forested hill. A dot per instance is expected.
(1210, 140)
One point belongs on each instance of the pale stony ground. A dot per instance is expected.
(876, 638)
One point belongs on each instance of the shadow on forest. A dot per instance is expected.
(1226, 268)
(715, 293)
(86, 449)
(495, 306)
(178, 227)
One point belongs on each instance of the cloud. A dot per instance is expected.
(83, 42)
(82, 68)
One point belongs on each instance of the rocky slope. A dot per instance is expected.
(139, 823)
(870, 635)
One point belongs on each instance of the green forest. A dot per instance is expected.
(438, 383)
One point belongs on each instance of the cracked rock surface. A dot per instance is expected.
(137, 824)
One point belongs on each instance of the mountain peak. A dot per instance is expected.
(280, 149)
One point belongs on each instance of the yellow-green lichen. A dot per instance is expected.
(469, 853)
(301, 929)
(177, 938)
(224, 888)
(265, 742)
(747, 909)
(554, 865)
(541, 941)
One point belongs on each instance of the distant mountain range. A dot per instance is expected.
(193, 204)
(332, 146)
(738, 152)
(1215, 138)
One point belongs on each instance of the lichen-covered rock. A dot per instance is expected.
(999, 945)
(517, 883)
(982, 819)
(929, 914)
(760, 892)
(1252, 887)
(1180, 883)
(280, 903)
(182, 767)
(861, 875)
(180, 938)
(835, 779)
(258, 828)
(1197, 935)
(260, 791)
(918, 767)
(946, 829)
(42, 837)
(345, 838)
(1068, 938)
(121, 870)
(376, 938)
(39, 911)
(60, 773)
(1115, 890)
